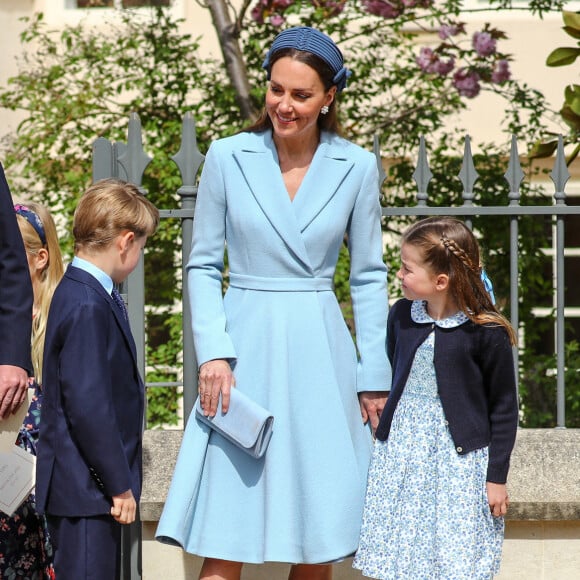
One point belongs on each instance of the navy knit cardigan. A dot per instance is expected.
(476, 382)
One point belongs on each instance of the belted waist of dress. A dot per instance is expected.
(274, 284)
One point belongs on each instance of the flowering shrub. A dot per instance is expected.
(481, 63)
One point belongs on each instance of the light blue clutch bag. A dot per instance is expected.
(246, 424)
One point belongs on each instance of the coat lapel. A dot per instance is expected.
(327, 171)
(259, 165)
(258, 161)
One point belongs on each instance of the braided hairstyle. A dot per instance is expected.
(449, 247)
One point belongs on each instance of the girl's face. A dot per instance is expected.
(417, 279)
(294, 99)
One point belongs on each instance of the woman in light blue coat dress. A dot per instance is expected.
(281, 197)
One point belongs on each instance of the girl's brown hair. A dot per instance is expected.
(328, 122)
(49, 278)
(449, 247)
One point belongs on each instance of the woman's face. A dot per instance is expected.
(294, 99)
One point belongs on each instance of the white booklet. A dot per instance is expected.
(17, 466)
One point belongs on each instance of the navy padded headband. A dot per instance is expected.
(33, 219)
(311, 40)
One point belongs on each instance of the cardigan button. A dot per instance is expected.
(459, 449)
(446, 422)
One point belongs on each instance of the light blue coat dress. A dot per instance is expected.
(281, 326)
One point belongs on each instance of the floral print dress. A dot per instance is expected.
(25, 549)
(426, 513)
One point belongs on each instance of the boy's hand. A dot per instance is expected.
(497, 498)
(124, 508)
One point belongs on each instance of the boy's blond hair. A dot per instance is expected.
(108, 208)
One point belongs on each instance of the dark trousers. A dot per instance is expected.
(86, 548)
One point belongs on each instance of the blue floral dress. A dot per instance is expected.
(426, 515)
(25, 549)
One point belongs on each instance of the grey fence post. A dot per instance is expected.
(422, 174)
(468, 176)
(134, 162)
(514, 176)
(188, 159)
(560, 176)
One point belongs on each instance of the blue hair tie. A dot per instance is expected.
(488, 285)
(311, 40)
(33, 219)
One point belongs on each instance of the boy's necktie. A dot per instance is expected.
(119, 302)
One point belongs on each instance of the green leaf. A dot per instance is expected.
(572, 98)
(571, 19)
(562, 56)
(573, 32)
(571, 118)
(540, 150)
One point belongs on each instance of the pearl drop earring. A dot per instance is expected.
(324, 110)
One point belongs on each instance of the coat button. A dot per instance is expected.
(459, 449)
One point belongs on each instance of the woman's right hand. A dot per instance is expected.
(215, 377)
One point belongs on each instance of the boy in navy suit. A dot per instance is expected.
(89, 452)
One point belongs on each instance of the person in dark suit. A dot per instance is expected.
(15, 308)
(89, 452)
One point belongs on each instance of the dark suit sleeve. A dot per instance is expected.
(15, 287)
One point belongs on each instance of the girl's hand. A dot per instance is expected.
(497, 498)
(372, 404)
(215, 377)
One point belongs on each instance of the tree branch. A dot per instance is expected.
(234, 61)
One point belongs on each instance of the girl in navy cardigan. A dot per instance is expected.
(436, 493)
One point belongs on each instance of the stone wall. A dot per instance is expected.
(542, 527)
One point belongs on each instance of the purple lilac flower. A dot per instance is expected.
(382, 8)
(466, 82)
(484, 43)
(331, 7)
(448, 30)
(430, 62)
(443, 68)
(426, 59)
(257, 14)
(419, 3)
(277, 20)
(501, 72)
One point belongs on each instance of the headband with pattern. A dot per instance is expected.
(33, 219)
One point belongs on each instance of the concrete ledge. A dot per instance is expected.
(544, 481)
(160, 449)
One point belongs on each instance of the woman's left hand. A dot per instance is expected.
(372, 404)
(497, 498)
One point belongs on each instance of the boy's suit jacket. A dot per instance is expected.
(15, 287)
(92, 412)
